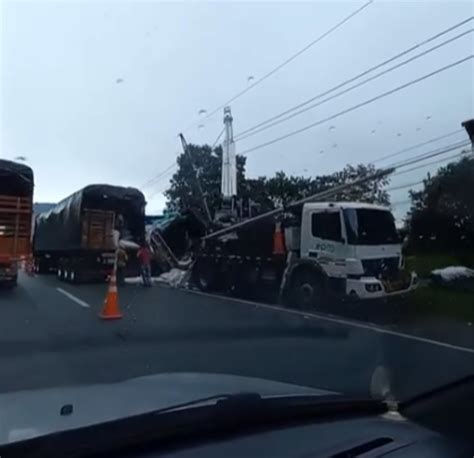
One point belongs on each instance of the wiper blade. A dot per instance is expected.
(250, 404)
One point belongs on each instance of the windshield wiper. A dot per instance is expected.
(198, 419)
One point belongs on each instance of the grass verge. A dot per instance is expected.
(433, 300)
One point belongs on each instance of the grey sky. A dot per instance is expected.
(65, 108)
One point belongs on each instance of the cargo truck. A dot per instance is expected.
(77, 238)
(321, 250)
(16, 199)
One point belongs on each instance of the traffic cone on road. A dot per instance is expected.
(278, 242)
(111, 309)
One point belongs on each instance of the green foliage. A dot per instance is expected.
(270, 192)
(182, 192)
(436, 301)
(441, 217)
(424, 264)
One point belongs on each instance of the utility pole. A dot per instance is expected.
(202, 197)
(229, 165)
(469, 126)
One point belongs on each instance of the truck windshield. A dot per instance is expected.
(369, 227)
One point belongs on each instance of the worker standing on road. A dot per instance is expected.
(122, 259)
(144, 256)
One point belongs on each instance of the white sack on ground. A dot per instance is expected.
(453, 273)
(173, 278)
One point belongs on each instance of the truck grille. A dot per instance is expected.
(381, 267)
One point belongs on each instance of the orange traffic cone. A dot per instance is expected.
(278, 242)
(111, 310)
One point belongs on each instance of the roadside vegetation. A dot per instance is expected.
(440, 228)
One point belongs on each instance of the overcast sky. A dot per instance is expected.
(96, 92)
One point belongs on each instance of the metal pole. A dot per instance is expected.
(469, 126)
(201, 194)
(318, 196)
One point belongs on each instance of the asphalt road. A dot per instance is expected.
(51, 335)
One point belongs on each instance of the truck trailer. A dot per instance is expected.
(319, 250)
(77, 239)
(16, 204)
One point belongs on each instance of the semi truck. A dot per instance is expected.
(77, 239)
(317, 251)
(16, 210)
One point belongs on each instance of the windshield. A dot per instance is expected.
(370, 227)
(201, 198)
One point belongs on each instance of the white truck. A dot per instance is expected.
(345, 249)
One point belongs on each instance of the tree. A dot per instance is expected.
(284, 189)
(269, 193)
(182, 192)
(441, 216)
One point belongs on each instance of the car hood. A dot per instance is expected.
(27, 414)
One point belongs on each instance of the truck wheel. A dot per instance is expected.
(205, 275)
(75, 277)
(307, 289)
(38, 266)
(12, 283)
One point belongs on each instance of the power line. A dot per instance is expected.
(430, 154)
(267, 124)
(421, 158)
(403, 186)
(405, 150)
(159, 191)
(400, 202)
(284, 63)
(438, 161)
(417, 159)
(218, 138)
(397, 56)
(153, 181)
(156, 178)
(359, 105)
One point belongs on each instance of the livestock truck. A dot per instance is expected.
(16, 210)
(77, 238)
(320, 250)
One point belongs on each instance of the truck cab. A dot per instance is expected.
(357, 247)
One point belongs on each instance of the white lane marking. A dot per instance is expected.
(369, 326)
(73, 298)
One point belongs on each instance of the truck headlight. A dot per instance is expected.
(373, 287)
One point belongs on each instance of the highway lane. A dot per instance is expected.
(49, 339)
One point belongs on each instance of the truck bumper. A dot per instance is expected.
(8, 273)
(373, 288)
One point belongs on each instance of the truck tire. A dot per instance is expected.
(307, 289)
(75, 276)
(39, 266)
(12, 282)
(205, 275)
(60, 273)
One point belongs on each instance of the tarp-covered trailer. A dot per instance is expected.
(16, 203)
(76, 237)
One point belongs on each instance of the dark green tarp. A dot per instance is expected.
(15, 179)
(60, 228)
